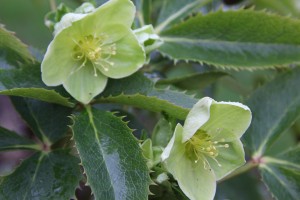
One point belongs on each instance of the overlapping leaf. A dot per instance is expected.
(140, 92)
(110, 156)
(10, 141)
(239, 39)
(174, 11)
(275, 107)
(26, 82)
(49, 122)
(52, 175)
(284, 7)
(194, 81)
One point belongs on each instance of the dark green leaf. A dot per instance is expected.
(48, 121)
(26, 82)
(244, 187)
(13, 47)
(275, 107)
(239, 39)
(133, 120)
(194, 81)
(174, 11)
(143, 12)
(10, 141)
(53, 175)
(139, 91)
(99, 2)
(162, 133)
(111, 156)
(282, 174)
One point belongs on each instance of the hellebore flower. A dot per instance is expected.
(90, 48)
(207, 147)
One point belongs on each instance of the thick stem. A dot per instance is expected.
(248, 166)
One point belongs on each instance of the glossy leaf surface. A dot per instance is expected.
(111, 157)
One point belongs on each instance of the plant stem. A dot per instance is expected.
(248, 166)
(52, 5)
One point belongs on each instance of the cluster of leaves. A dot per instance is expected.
(96, 145)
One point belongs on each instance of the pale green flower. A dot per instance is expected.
(90, 48)
(207, 147)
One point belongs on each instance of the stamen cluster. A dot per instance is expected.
(202, 145)
(95, 50)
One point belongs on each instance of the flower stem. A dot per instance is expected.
(248, 166)
(52, 5)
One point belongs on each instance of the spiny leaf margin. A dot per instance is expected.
(216, 32)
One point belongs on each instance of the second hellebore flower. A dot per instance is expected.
(92, 47)
(207, 147)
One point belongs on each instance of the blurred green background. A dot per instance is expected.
(26, 19)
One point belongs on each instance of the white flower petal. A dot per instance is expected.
(167, 150)
(198, 115)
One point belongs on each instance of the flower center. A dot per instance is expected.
(93, 49)
(201, 146)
